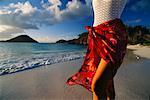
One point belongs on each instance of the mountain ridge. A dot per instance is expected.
(21, 38)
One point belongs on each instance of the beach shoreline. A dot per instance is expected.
(48, 82)
(140, 50)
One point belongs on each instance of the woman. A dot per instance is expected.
(107, 41)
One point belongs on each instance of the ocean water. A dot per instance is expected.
(16, 57)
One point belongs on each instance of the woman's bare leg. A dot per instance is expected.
(101, 67)
(108, 98)
(105, 77)
(95, 97)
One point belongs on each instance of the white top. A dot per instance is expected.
(105, 10)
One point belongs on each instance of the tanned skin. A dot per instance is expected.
(101, 67)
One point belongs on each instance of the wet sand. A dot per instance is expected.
(48, 82)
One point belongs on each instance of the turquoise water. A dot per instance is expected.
(16, 57)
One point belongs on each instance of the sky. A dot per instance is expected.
(51, 20)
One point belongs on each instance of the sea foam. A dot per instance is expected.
(13, 65)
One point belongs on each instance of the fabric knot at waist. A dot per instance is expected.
(90, 30)
(105, 27)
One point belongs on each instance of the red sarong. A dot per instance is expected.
(108, 41)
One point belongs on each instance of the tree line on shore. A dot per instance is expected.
(136, 35)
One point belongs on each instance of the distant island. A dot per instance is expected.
(136, 35)
(82, 39)
(21, 38)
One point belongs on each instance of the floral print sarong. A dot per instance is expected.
(108, 41)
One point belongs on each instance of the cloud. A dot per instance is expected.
(17, 21)
(141, 5)
(8, 31)
(25, 9)
(52, 38)
(55, 2)
(49, 39)
(43, 39)
(23, 16)
(15, 18)
(134, 21)
(75, 9)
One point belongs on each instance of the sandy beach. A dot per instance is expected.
(140, 50)
(48, 82)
